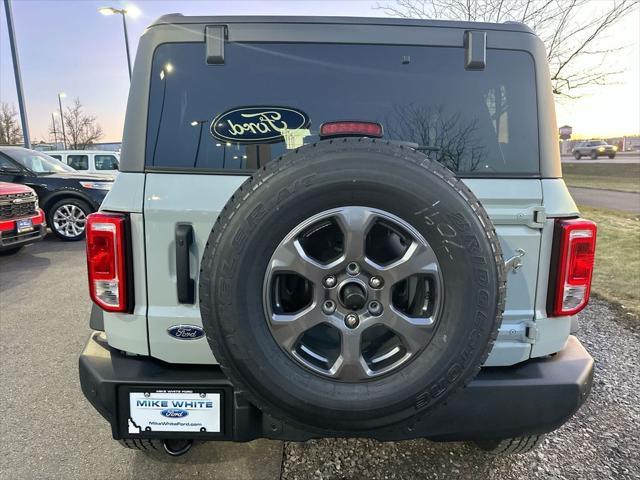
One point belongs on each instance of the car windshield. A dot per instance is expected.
(38, 162)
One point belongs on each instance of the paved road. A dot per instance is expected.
(49, 431)
(608, 199)
(625, 158)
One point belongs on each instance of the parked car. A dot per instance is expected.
(89, 161)
(22, 222)
(366, 235)
(65, 195)
(594, 149)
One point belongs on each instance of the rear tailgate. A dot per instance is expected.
(171, 199)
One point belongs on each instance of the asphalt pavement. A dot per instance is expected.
(49, 431)
(607, 199)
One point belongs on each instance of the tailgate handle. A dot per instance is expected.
(185, 284)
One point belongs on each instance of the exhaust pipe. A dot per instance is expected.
(176, 452)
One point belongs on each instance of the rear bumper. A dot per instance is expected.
(535, 397)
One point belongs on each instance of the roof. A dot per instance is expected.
(179, 19)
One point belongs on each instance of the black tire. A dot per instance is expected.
(158, 448)
(508, 446)
(594, 155)
(577, 155)
(81, 204)
(10, 251)
(316, 178)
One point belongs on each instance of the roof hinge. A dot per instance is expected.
(215, 36)
(475, 50)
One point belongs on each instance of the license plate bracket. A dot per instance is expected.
(181, 412)
(24, 225)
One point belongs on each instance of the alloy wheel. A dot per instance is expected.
(353, 293)
(69, 220)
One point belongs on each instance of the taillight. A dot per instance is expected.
(572, 266)
(106, 261)
(348, 129)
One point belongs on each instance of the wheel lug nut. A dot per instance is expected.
(353, 268)
(351, 320)
(328, 307)
(375, 308)
(330, 281)
(375, 282)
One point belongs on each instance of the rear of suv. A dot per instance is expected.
(337, 227)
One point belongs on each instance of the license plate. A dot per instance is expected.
(24, 225)
(174, 411)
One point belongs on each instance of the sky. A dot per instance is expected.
(67, 46)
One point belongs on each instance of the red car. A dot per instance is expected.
(21, 220)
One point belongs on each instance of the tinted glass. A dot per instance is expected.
(78, 162)
(477, 122)
(106, 162)
(57, 157)
(38, 162)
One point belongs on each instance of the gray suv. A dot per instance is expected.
(594, 149)
(337, 227)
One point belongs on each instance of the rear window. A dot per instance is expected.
(474, 122)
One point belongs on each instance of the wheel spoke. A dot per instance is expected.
(287, 329)
(418, 259)
(355, 223)
(414, 332)
(291, 257)
(350, 365)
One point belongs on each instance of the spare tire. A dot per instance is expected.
(351, 285)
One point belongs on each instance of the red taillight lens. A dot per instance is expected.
(360, 129)
(106, 263)
(572, 266)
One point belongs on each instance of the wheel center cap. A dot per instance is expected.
(353, 296)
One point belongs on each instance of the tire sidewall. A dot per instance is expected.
(336, 176)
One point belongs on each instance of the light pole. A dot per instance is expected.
(17, 74)
(53, 122)
(61, 95)
(133, 12)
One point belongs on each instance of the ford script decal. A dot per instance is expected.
(247, 125)
(185, 332)
(174, 413)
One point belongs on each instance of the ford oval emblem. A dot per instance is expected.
(185, 332)
(247, 125)
(174, 413)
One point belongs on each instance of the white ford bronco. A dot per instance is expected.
(337, 227)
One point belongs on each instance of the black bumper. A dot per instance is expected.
(531, 398)
(12, 239)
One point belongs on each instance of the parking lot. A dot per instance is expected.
(48, 430)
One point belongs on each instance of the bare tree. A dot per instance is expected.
(10, 131)
(573, 31)
(81, 130)
(450, 138)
